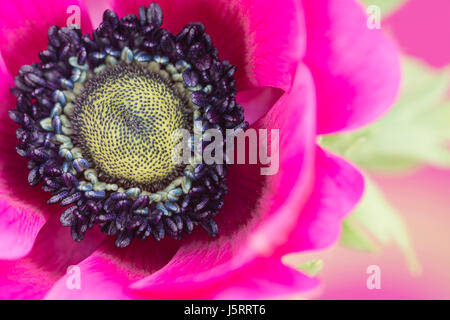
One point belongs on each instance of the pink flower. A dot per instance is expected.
(304, 67)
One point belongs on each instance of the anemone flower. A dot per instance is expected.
(91, 110)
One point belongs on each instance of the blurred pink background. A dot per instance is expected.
(422, 29)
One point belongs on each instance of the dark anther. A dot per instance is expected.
(154, 15)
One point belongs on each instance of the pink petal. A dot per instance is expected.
(100, 279)
(257, 102)
(53, 252)
(355, 69)
(24, 25)
(258, 213)
(96, 9)
(107, 273)
(338, 188)
(264, 39)
(55, 249)
(18, 230)
(262, 278)
(23, 280)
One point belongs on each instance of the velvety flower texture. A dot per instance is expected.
(304, 67)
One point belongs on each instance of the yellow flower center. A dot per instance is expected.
(126, 117)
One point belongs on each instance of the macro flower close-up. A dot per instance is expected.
(91, 93)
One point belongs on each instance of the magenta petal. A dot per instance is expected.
(18, 230)
(264, 39)
(54, 249)
(21, 279)
(262, 278)
(24, 25)
(338, 188)
(257, 102)
(101, 279)
(53, 252)
(355, 69)
(107, 272)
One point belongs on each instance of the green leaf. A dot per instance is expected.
(415, 131)
(355, 238)
(311, 268)
(375, 218)
(386, 6)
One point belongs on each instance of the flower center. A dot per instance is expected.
(125, 120)
(97, 119)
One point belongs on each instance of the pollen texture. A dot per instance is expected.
(126, 118)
